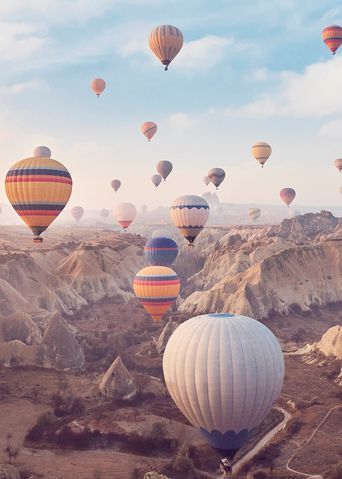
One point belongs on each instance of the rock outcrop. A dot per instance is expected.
(20, 326)
(330, 344)
(16, 353)
(7, 471)
(306, 227)
(154, 475)
(118, 381)
(59, 347)
(165, 336)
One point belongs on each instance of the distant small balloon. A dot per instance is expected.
(98, 85)
(206, 180)
(287, 195)
(216, 175)
(332, 37)
(124, 214)
(42, 152)
(104, 213)
(261, 152)
(116, 184)
(164, 168)
(156, 180)
(254, 213)
(149, 129)
(77, 212)
(338, 164)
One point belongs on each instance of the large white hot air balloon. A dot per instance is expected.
(224, 372)
(124, 214)
(189, 214)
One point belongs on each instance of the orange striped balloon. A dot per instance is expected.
(157, 288)
(148, 129)
(332, 37)
(166, 42)
(38, 188)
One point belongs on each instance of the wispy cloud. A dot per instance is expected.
(183, 121)
(332, 129)
(203, 54)
(18, 88)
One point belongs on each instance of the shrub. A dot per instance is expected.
(182, 462)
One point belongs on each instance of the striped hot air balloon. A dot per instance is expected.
(166, 42)
(124, 214)
(115, 184)
(161, 251)
(338, 164)
(157, 288)
(38, 188)
(216, 175)
(287, 195)
(261, 152)
(189, 214)
(77, 212)
(332, 37)
(98, 85)
(149, 129)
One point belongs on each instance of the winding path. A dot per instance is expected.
(300, 448)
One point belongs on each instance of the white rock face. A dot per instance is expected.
(165, 336)
(297, 277)
(330, 344)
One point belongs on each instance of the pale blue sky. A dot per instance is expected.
(250, 72)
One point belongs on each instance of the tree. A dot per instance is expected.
(141, 381)
(10, 450)
(182, 462)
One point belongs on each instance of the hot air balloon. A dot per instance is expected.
(261, 152)
(164, 168)
(77, 212)
(143, 209)
(338, 164)
(157, 287)
(98, 86)
(216, 175)
(161, 251)
(104, 213)
(189, 214)
(254, 213)
(38, 188)
(287, 195)
(116, 184)
(124, 214)
(206, 180)
(224, 372)
(149, 129)
(165, 42)
(156, 180)
(42, 152)
(332, 37)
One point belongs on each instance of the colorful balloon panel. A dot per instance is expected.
(165, 42)
(189, 214)
(261, 152)
(224, 372)
(161, 251)
(287, 195)
(149, 129)
(38, 189)
(157, 288)
(332, 37)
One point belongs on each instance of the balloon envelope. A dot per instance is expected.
(189, 214)
(287, 195)
(157, 288)
(116, 184)
(124, 214)
(161, 251)
(224, 372)
(261, 152)
(164, 168)
(332, 37)
(338, 164)
(206, 180)
(104, 213)
(254, 213)
(149, 129)
(98, 85)
(38, 189)
(42, 152)
(165, 42)
(77, 212)
(216, 175)
(156, 180)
